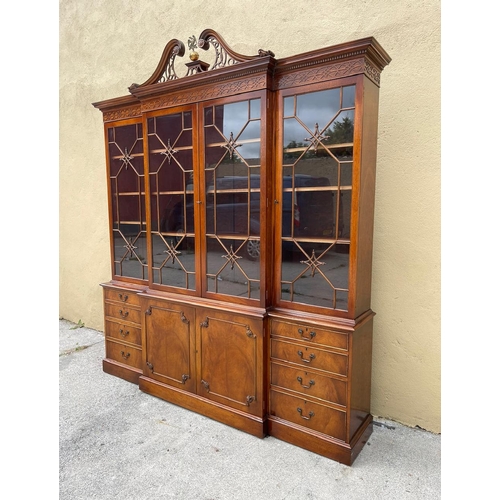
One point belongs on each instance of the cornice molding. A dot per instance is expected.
(205, 93)
(234, 73)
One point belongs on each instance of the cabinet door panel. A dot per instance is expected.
(230, 360)
(170, 352)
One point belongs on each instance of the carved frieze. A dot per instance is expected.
(122, 113)
(202, 94)
(320, 74)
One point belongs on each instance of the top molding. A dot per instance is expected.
(234, 73)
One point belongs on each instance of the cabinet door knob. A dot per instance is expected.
(123, 314)
(125, 355)
(124, 298)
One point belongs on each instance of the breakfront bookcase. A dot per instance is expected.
(241, 200)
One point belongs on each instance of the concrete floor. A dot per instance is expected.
(116, 442)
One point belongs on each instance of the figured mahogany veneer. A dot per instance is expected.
(241, 200)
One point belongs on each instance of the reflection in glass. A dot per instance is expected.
(318, 107)
(289, 106)
(129, 253)
(345, 211)
(348, 96)
(174, 260)
(315, 274)
(341, 130)
(233, 267)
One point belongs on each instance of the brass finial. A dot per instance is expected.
(192, 46)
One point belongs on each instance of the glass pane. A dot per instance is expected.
(341, 130)
(231, 118)
(348, 96)
(255, 108)
(289, 106)
(308, 212)
(346, 173)
(318, 107)
(318, 169)
(344, 222)
(294, 134)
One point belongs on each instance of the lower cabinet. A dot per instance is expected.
(320, 386)
(305, 381)
(206, 360)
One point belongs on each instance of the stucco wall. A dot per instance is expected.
(107, 45)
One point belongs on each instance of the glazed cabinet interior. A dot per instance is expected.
(241, 202)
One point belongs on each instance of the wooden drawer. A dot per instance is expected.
(309, 333)
(122, 296)
(311, 356)
(122, 332)
(125, 354)
(122, 312)
(310, 384)
(314, 416)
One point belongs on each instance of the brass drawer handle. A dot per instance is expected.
(122, 297)
(123, 314)
(124, 333)
(311, 383)
(311, 414)
(311, 334)
(311, 357)
(125, 355)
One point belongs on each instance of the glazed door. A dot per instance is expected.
(170, 344)
(233, 185)
(315, 178)
(172, 155)
(126, 192)
(230, 360)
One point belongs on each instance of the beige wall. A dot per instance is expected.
(106, 45)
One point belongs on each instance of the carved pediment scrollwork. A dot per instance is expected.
(224, 56)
